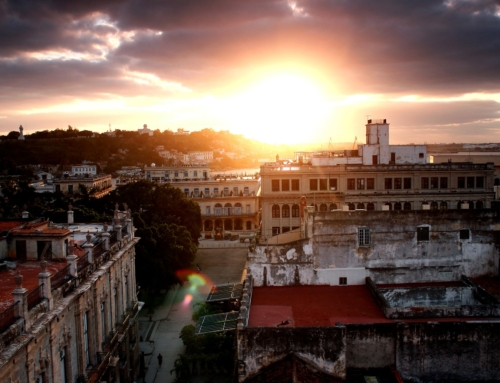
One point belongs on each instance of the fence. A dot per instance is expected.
(34, 296)
(7, 317)
(83, 261)
(59, 278)
(113, 239)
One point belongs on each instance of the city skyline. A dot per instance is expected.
(277, 71)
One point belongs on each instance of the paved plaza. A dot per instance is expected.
(160, 331)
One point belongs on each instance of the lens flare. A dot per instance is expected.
(193, 280)
(187, 300)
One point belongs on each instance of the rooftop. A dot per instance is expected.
(309, 306)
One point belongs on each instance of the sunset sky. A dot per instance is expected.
(276, 71)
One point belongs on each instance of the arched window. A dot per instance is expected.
(407, 206)
(228, 209)
(397, 206)
(434, 205)
(333, 206)
(285, 211)
(275, 211)
(218, 209)
(370, 206)
(352, 206)
(249, 225)
(218, 223)
(295, 211)
(443, 205)
(238, 209)
(323, 207)
(360, 205)
(228, 224)
(479, 205)
(471, 205)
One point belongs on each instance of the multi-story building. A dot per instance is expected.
(98, 185)
(376, 176)
(68, 302)
(177, 173)
(230, 204)
(84, 170)
(201, 157)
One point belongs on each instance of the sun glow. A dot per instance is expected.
(283, 108)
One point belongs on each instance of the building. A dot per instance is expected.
(376, 176)
(230, 205)
(201, 157)
(177, 173)
(98, 185)
(373, 296)
(145, 130)
(475, 157)
(68, 302)
(84, 170)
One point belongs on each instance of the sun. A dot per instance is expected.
(283, 108)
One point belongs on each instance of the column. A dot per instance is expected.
(89, 248)
(44, 281)
(21, 297)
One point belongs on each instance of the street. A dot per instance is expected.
(161, 334)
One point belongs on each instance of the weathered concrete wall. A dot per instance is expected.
(462, 351)
(430, 296)
(282, 265)
(322, 347)
(371, 345)
(395, 255)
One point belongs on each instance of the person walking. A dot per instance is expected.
(160, 359)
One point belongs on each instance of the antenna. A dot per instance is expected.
(355, 140)
(367, 116)
(330, 144)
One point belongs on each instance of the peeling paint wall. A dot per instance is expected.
(371, 345)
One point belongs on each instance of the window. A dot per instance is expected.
(434, 182)
(370, 206)
(295, 211)
(176, 174)
(216, 192)
(333, 206)
(470, 182)
(275, 185)
(186, 192)
(285, 185)
(275, 211)
(313, 184)
(207, 210)
(249, 209)
(342, 281)
(167, 175)
(86, 338)
(333, 184)
(285, 211)
(407, 206)
(397, 206)
(186, 175)
(393, 158)
(246, 191)
(62, 361)
(218, 209)
(420, 155)
(226, 192)
(196, 192)
(363, 237)
(443, 205)
(295, 185)
(422, 233)
(374, 160)
(323, 184)
(407, 183)
(370, 183)
(360, 206)
(195, 173)
(443, 182)
(424, 183)
(235, 190)
(276, 230)
(207, 192)
(397, 183)
(480, 182)
(464, 234)
(388, 183)
(351, 183)
(461, 183)
(21, 249)
(58, 188)
(323, 207)
(70, 189)
(360, 184)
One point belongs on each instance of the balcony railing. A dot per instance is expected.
(60, 278)
(35, 296)
(7, 317)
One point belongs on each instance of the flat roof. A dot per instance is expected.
(311, 306)
(29, 270)
(308, 306)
